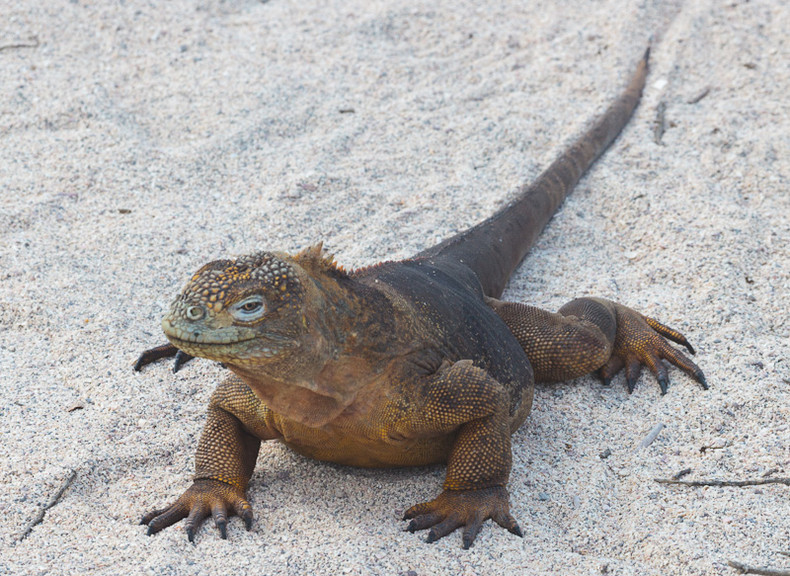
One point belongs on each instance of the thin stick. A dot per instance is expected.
(700, 96)
(32, 43)
(52, 502)
(746, 569)
(715, 482)
(659, 125)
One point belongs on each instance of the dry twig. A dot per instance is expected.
(33, 42)
(660, 123)
(746, 569)
(720, 483)
(52, 502)
(705, 91)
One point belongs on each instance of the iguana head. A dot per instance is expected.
(245, 311)
(273, 319)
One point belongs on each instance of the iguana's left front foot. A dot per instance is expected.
(468, 508)
(640, 341)
(163, 351)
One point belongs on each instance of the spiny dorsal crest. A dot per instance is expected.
(316, 260)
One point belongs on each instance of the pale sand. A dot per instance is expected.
(218, 125)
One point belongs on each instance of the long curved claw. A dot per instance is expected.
(682, 361)
(509, 523)
(608, 371)
(181, 359)
(454, 509)
(633, 369)
(203, 499)
(422, 521)
(194, 520)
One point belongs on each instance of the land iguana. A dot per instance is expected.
(404, 363)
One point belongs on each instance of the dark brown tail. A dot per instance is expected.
(495, 247)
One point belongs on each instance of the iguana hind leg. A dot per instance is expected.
(589, 334)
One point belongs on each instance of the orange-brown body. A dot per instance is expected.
(401, 364)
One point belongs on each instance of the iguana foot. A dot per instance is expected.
(642, 341)
(203, 499)
(163, 351)
(468, 508)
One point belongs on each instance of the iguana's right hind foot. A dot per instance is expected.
(642, 341)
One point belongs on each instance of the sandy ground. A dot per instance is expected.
(139, 140)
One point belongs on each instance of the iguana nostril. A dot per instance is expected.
(195, 313)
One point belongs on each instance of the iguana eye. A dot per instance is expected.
(248, 309)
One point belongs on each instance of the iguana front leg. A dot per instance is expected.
(465, 400)
(228, 448)
(590, 334)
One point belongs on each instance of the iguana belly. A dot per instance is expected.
(365, 447)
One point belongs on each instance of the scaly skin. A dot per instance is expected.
(401, 364)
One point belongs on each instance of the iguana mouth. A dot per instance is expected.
(228, 351)
(223, 343)
(208, 342)
(207, 336)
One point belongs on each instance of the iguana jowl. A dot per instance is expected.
(400, 364)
